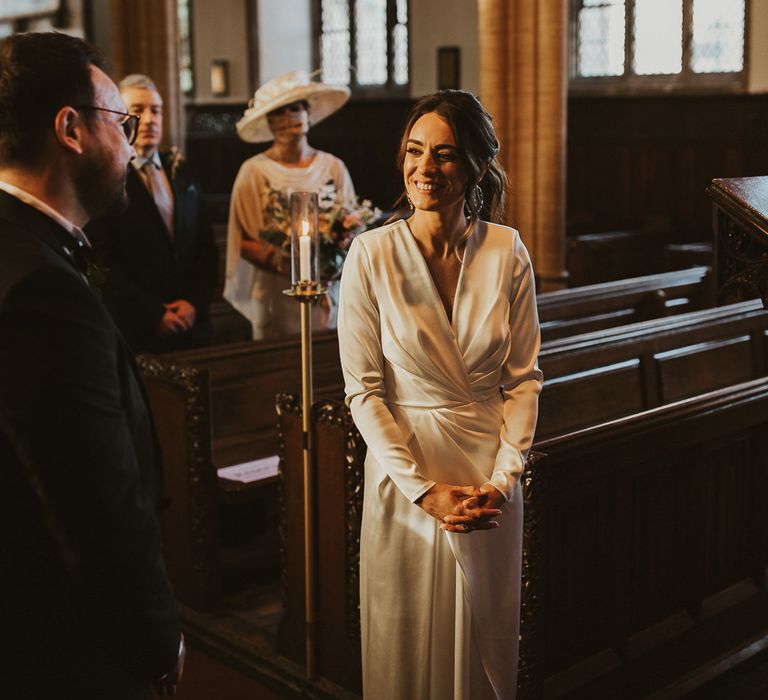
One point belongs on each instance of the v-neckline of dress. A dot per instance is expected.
(449, 320)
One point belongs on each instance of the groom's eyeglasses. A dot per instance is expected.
(129, 122)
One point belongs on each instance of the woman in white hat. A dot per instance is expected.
(257, 272)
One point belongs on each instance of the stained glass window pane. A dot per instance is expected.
(402, 11)
(186, 78)
(658, 37)
(334, 42)
(601, 38)
(371, 45)
(401, 54)
(718, 36)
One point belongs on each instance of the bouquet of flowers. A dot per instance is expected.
(339, 223)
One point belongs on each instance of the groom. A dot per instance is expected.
(86, 609)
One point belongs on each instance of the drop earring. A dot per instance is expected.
(479, 199)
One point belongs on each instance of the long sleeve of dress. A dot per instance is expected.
(363, 365)
(521, 380)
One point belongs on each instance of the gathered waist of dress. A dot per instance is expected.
(452, 404)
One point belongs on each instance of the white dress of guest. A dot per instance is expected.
(439, 400)
(255, 292)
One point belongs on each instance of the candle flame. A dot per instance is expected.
(305, 228)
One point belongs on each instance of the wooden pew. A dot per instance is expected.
(585, 366)
(646, 549)
(612, 372)
(599, 306)
(245, 377)
(567, 311)
(640, 573)
(608, 374)
(215, 408)
(244, 380)
(180, 404)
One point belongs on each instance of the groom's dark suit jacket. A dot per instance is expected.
(86, 609)
(148, 268)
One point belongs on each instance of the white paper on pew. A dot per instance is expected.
(248, 472)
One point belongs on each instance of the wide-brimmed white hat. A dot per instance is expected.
(296, 85)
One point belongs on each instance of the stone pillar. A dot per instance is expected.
(523, 84)
(144, 35)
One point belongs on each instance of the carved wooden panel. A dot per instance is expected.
(340, 458)
(291, 490)
(180, 405)
(638, 160)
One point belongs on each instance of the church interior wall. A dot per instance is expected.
(220, 32)
(285, 37)
(434, 24)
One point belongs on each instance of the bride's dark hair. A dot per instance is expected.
(475, 136)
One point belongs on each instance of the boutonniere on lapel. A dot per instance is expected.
(175, 159)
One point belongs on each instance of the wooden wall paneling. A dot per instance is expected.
(364, 134)
(653, 156)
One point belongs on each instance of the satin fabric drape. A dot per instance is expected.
(439, 400)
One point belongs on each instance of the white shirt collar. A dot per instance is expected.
(75, 231)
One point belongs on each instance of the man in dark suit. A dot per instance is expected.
(86, 609)
(160, 255)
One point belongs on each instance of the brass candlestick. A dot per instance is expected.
(307, 289)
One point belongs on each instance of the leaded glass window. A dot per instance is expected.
(363, 43)
(658, 37)
(371, 41)
(400, 43)
(186, 75)
(601, 37)
(334, 42)
(676, 43)
(718, 36)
